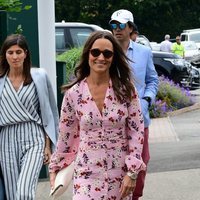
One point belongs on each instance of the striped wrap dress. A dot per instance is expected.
(104, 145)
(21, 140)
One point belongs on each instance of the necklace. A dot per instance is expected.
(16, 82)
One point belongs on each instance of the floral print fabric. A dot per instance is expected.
(104, 145)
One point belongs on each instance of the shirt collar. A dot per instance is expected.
(131, 44)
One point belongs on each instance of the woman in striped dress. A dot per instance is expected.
(28, 119)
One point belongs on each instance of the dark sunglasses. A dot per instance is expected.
(106, 53)
(120, 26)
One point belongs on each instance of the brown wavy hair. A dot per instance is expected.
(16, 39)
(119, 71)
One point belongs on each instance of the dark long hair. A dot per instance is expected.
(16, 39)
(119, 70)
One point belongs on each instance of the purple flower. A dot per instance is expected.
(170, 97)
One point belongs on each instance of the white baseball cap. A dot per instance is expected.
(122, 16)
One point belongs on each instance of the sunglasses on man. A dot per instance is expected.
(106, 53)
(115, 26)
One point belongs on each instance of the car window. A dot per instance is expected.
(60, 38)
(183, 38)
(195, 37)
(80, 35)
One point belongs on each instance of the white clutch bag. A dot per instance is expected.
(62, 181)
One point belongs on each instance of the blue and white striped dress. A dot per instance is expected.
(21, 140)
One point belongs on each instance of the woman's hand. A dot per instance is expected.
(127, 187)
(47, 150)
(52, 177)
(47, 155)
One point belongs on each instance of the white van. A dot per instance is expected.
(191, 35)
(72, 34)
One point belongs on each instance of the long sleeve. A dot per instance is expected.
(53, 107)
(68, 139)
(135, 132)
(151, 79)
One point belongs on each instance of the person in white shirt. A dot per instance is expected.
(166, 45)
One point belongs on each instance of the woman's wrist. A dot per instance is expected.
(47, 141)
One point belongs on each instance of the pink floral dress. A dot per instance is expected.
(104, 145)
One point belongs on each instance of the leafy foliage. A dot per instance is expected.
(19, 29)
(71, 57)
(154, 18)
(13, 6)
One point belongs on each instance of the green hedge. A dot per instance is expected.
(71, 57)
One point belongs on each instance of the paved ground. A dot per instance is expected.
(171, 185)
(176, 184)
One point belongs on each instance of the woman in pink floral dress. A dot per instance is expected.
(101, 124)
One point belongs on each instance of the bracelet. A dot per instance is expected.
(132, 175)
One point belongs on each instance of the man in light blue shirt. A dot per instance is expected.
(145, 76)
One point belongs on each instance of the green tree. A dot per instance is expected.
(13, 6)
(154, 18)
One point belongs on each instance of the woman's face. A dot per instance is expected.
(15, 56)
(101, 56)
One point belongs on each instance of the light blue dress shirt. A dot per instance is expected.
(144, 74)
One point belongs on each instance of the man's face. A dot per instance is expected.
(178, 40)
(121, 31)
